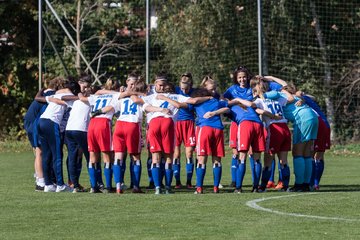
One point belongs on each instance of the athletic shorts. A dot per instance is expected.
(305, 129)
(31, 129)
(99, 135)
(233, 135)
(322, 141)
(127, 137)
(210, 142)
(251, 134)
(161, 135)
(278, 138)
(185, 132)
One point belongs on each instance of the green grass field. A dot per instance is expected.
(332, 213)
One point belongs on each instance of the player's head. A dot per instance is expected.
(290, 87)
(208, 83)
(258, 85)
(169, 88)
(201, 92)
(73, 86)
(140, 86)
(59, 82)
(131, 80)
(242, 76)
(112, 84)
(187, 78)
(160, 82)
(185, 87)
(91, 90)
(84, 81)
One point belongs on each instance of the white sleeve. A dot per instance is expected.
(259, 103)
(182, 98)
(282, 101)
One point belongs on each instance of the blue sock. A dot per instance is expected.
(98, 173)
(319, 171)
(117, 172)
(107, 173)
(257, 170)
(285, 173)
(313, 173)
(155, 171)
(189, 169)
(234, 167)
(240, 173)
(137, 173)
(272, 173)
(266, 174)
(92, 175)
(200, 175)
(162, 170)
(299, 169)
(168, 174)
(280, 172)
(176, 169)
(132, 175)
(217, 171)
(123, 168)
(308, 169)
(252, 167)
(148, 166)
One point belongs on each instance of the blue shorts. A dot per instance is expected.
(32, 132)
(305, 128)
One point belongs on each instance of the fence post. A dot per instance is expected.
(259, 17)
(147, 63)
(40, 40)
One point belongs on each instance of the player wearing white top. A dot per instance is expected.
(99, 134)
(49, 132)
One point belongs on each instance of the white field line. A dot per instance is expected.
(253, 204)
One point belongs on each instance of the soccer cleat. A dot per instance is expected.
(94, 190)
(306, 187)
(189, 186)
(270, 184)
(295, 188)
(64, 188)
(157, 191)
(78, 189)
(261, 189)
(123, 186)
(316, 188)
(238, 190)
(119, 191)
(168, 191)
(178, 186)
(199, 190)
(279, 186)
(221, 186)
(49, 188)
(39, 188)
(216, 190)
(232, 184)
(107, 190)
(254, 190)
(137, 190)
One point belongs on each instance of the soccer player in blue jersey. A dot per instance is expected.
(305, 124)
(184, 132)
(31, 120)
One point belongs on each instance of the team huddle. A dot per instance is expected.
(78, 115)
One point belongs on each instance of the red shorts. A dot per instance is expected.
(278, 138)
(251, 134)
(127, 137)
(322, 141)
(161, 135)
(99, 135)
(210, 142)
(185, 131)
(233, 135)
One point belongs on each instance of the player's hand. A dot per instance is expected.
(96, 113)
(209, 114)
(299, 103)
(122, 89)
(160, 97)
(277, 117)
(166, 111)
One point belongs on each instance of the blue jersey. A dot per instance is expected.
(239, 114)
(185, 113)
(235, 91)
(292, 112)
(209, 106)
(275, 86)
(36, 108)
(316, 108)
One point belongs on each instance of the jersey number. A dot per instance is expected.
(132, 109)
(164, 105)
(275, 108)
(97, 104)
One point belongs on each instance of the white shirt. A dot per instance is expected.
(54, 111)
(273, 106)
(100, 101)
(129, 111)
(79, 117)
(151, 100)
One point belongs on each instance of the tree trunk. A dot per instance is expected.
(327, 71)
(78, 39)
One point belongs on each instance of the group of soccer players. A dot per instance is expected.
(78, 115)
